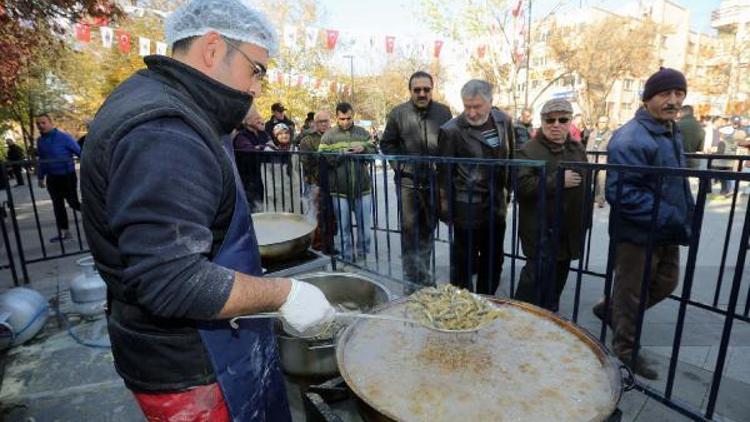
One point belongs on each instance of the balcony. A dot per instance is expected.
(731, 14)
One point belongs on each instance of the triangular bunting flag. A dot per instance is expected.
(332, 36)
(438, 48)
(290, 35)
(123, 40)
(390, 44)
(108, 35)
(83, 32)
(311, 38)
(144, 46)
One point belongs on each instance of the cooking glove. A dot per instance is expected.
(306, 311)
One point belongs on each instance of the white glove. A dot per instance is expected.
(305, 309)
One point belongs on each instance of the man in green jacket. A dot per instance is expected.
(349, 180)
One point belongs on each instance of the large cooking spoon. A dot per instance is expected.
(234, 324)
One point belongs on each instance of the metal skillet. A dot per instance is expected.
(282, 235)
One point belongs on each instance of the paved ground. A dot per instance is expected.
(55, 378)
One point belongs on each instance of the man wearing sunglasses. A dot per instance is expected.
(552, 144)
(653, 139)
(412, 129)
(473, 197)
(170, 231)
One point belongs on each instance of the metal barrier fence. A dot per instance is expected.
(286, 186)
(27, 216)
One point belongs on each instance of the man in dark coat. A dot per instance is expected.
(693, 134)
(651, 138)
(15, 153)
(524, 127)
(553, 145)
(412, 129)
(473, 197)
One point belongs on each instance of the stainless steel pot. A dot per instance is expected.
(464, 377)
(282, 236)
(317, 359)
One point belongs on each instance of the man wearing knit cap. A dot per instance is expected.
(177, 248)
(651, 138)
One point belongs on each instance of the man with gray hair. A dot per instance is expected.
(169, 228)
(473, 196)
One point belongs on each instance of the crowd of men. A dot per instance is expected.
(472, 198)
(167, 217)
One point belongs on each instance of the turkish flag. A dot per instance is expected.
(517, 10)
(83, 32)
(123, 40)
(481, 50)
(438, 48)
(390, 44)
(332, 36)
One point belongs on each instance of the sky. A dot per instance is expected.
(401, 17)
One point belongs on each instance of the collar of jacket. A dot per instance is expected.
(49, 134)
(554, 147)
(652, 125)
(421, 110)
(496, 115)
(224, 106)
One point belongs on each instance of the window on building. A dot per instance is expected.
(535, 84)
(627, 84)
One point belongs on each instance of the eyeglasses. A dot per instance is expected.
(258, 70)
(552, 120)
(426, 90)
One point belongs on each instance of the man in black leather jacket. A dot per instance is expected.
(412, 129)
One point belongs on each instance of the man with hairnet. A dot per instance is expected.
(168, 225)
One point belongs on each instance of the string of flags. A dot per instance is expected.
(297, 38)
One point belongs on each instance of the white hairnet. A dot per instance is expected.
(235, 19)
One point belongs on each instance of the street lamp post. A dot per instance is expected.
(351, 75)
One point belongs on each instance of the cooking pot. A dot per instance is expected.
(317, 359)
(282, 236)
(529, 364)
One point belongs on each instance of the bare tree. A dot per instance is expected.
(603, 52)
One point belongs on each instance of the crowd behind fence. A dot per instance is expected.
(27, 219)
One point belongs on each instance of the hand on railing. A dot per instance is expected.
(572, 179)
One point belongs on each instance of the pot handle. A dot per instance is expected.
(628, 379)
(5, 322)
(322, 346)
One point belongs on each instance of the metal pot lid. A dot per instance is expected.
(529, 365)
(275, 228)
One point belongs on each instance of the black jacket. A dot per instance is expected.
(473, 184)
(158, 195)
(413, 131)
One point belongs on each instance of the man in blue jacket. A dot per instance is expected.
(651, 138)
(56, 150)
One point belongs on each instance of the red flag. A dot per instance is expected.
(300, 79)
(100, 21)
(481, 50)
(317, 83)
(390, 43)
(332, 36)
(123, 40)
(517, 10)
(438, 48)
(279, 78)
(83, 32)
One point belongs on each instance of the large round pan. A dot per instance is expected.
(282, 236)
(404, 373)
